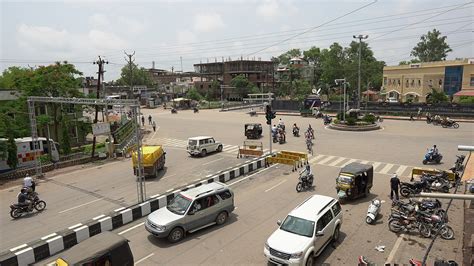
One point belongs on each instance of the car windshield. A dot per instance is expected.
(179, 204)
(192, 142)
(298, 226)
(345, 179)
(250, 127)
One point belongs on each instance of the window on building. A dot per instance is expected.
(406, 83)
(419, 83)
(440, 82)
(471, 83)
(399, 82)
(202, 86)
(412, 83)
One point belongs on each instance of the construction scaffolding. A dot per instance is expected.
(134, 105)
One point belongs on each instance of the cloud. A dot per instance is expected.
(99, 21)
(61, 44)
(269, 9)
(131, 25)
(208, 22)
(185, 37)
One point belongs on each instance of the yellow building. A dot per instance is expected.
(415, 82)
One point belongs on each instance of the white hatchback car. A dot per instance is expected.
(305, 232)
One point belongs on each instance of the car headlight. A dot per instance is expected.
(296, 255)
(267, 246)
(160, 227)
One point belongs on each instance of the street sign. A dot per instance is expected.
(101, 129)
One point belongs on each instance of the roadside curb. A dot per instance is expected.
(54, 243)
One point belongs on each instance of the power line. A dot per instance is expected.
(411, 24)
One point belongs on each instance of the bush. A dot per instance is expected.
(350, 121)
(369, 118)
(466, 99)
(340, 116)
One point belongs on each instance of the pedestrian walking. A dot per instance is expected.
(154, 126)
(143, 120)
(394, 184)
(419, 112)
(149, 119)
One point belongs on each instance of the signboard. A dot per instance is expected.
(101, 129)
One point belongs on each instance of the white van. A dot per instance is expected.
(26, 151)
(305, 232)
(203, 145)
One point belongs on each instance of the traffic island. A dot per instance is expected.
(356, 127)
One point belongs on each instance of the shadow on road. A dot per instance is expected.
(164, 243)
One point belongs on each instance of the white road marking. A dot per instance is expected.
(247, 177)
(74, 226)
(394, 249)
(283, 181)
(376, 164)
(316, 158)
(78, 206)
(386, 168)
(212, 161)
(131, 228)
(140, 260)
(348, 162)
(18, 247)
(327, 159)
(168, 176)
(401, 169)
(340, 159)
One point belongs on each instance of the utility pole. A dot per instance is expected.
(130, 66)
(100, 74)
(360, 37)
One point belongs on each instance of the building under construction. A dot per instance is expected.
(260, 73)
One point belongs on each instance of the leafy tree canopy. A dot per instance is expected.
(140, 76)
(432, 47)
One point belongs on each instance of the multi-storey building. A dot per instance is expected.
(415, 82)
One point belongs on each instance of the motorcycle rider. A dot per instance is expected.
(29, 184)
(305, 173)
(296, 129)
(433, 152)
(23, 199)
(310, 131)
(281, 124)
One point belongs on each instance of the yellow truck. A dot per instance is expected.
(153, 160)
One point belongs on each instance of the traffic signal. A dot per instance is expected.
(269, 114)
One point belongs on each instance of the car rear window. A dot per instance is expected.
(225, 195)
(336, 208)
(192, 142)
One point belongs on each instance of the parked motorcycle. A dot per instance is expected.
(459, 164)
(406, 189)
(305, 182)
(436, 223)
(196, 110)
(17, 210)
(432, 158)
(373, 211)
(174, 111)
(449, 123)
(399, 222)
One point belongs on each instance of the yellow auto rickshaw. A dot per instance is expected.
(153, 160)
(354, 181)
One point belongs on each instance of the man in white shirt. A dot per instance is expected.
(29, 183)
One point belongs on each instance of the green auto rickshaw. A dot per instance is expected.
(354, 181)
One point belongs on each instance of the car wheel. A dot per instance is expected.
(335, 235)
(176, 235)
(219, 149)
(203, 153)
(310, 260)
(40, 205)
(221, 218)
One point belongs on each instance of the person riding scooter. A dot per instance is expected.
(296, 130)
(23, 199)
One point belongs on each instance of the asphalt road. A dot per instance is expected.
(75, 196)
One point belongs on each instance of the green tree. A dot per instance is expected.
(242, 84)
(285, 57)
(437, 97)
(413, 61)
(432, 47)
(140, 76)
(333, 61)
(301, 89)
(194, 94)
(314, 58)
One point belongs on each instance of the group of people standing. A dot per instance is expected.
(151, 122)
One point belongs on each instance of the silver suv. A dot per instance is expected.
(192, 210)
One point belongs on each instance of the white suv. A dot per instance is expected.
(305, 232)
(203, 145)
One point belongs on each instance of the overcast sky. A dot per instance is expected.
(40, 32)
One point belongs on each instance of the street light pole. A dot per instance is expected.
(360, 37)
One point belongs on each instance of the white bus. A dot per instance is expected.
(26, 152)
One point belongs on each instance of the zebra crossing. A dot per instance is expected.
(179, 143)
(321, 159)
(379, 167)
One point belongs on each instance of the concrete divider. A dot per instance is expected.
(51, 244)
